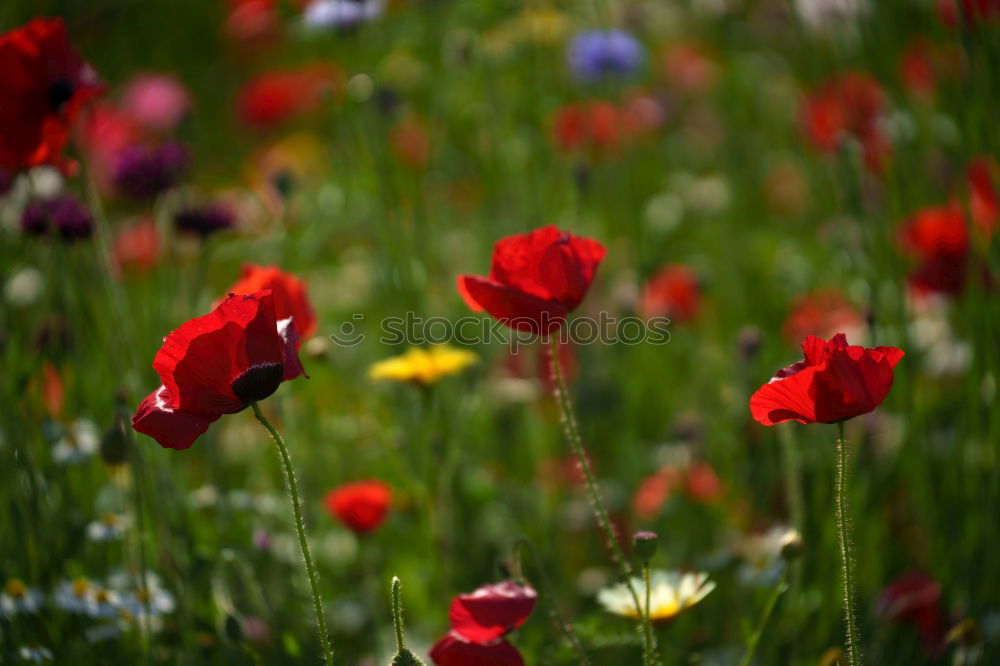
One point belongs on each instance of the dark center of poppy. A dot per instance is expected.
(60, 92)
(258, 382)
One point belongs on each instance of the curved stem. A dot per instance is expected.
(576, 444)
(772, 600)
(293, 492)
(846, 550)
(524, 543)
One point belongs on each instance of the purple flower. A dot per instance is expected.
(142, 171)
(63, 214)
(594, 54)
(204, 220)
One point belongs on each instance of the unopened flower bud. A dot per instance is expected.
(645, 545)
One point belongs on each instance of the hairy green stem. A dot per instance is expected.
(576, 444)
(846, 550)
(397, 615)
(758, 632)
(293, 492)
(647, 618)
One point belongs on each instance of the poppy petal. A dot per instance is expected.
(290, 341)
(491, 611)
(453, 650)
(786, 397)
(515, 308)
(171, 428)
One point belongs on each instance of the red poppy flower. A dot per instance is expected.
(137, 247)
(915, 598)
(43, 84)
(275, 97)
(361, 505)
(972, 11)
(410, 143)
(592, 126)
(453, 650)
(703, 484)
(290, 298)
(673, 292)
(536, 279)
(984, 205)
(939, 240)
(480, 620)
(822, 312)
(835, 381)
(850, 105)
(917, 70)
(218, 364)
(492, 611)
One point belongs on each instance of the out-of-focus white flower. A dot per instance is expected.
(110, 527)
(944, 355)
(24, 286)
(35, 654)
(79, 441)
(334, 14)
(18, 598)
(709, 194)
(823, 14)
(85, 597)
(671, 593)
(761, 554)
(204, 497)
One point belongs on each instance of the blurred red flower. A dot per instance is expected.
(850, 105)
(361, 505)
(218, 364)
(703, 484)
(157, 102)
(480, 620)
(289, 292)
(939, 239)
(917, 70)
(688, 69)
(822, 312)
(43, 85)
(453, 650)
(835, 381)
(137, 247)
(275, 97)
(655, 490)
(672, 292)
(984, 205)
(535, 279)
(915, 598)
(410, 143)
(972, 11)
(594, 127)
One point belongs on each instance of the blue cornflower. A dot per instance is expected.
(594, 54)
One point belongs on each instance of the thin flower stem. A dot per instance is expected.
(576, 444)
(846, 550)
(293, 492)
(397, 615)
(647, 617)
(758, 632)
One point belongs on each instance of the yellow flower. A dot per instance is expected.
(671, 593)
(423, 366)
(543, 26)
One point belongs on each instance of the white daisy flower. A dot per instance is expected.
(110, 527)
(18, 598)
(36, 654)
(671, 593)
(79, 441)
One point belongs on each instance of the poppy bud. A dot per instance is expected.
(645, 545)
(791, 546)
(114, 445)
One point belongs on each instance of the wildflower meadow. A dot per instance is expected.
(401, 332)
